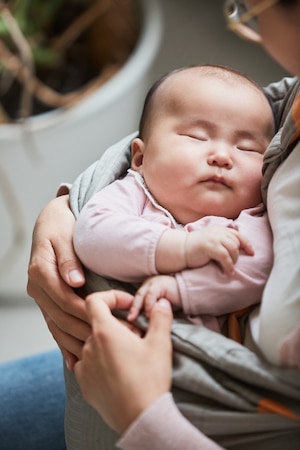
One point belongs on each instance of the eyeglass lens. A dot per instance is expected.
(236, 9)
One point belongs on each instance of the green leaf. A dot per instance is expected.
(34, 15)
(46, 57)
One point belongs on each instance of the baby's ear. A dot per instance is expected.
(137, 154)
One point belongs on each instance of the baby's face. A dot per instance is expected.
(203, 155)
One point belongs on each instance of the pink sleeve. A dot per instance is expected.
(112, 239)
(162, 426)
(207, 290)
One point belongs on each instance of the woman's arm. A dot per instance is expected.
(127, 378)
(54, 271)
(162, 426)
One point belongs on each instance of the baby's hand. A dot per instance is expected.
(154, 288)
(220, 244)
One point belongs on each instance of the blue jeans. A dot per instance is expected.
(32, 403)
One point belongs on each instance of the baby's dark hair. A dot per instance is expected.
(214, 70)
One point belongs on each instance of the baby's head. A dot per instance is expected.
(203, 132)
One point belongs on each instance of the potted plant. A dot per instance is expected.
(43, 144)
(51, 53)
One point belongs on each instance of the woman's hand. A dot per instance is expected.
(53, 272)
(121, 374)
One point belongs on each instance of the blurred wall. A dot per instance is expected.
(195, 32)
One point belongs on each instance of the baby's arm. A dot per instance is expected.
(178, 250)
(153, 289)
(209, 291)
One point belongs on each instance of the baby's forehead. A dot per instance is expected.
(189, 86)
(183, 90)
(207, 75)
(177, 86)
(180, 78)
(183, 84)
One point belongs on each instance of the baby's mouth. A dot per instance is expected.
(217, 180)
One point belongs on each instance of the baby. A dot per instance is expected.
(187, 222)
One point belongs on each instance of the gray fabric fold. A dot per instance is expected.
(218, 384)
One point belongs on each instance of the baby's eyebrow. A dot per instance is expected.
(199, 123)
(245, 134)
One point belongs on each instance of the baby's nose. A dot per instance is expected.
(221, 156)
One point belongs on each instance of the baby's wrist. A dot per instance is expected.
(170, 252)
(186, 251)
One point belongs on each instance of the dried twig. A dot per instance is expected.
(34, 85)
(81, 24)
(42, 91)
(21, 66)
(26, 59)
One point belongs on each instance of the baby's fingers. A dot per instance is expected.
(228, 251)
(245, 245)
(232, 244)
(226, 258)
(137, 305)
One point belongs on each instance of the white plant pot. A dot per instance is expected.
(55, 147)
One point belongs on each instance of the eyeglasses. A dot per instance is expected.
(242, 20)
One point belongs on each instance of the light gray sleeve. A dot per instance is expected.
(281, 96)
(112, 165)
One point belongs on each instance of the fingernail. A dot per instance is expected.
(75, 276)
(164, 303)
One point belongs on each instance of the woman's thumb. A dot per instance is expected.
(70, 268)
(160, 321)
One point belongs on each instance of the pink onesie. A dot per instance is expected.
(117, 232)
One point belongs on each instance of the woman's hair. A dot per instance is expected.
(213, 70)
(288, 2)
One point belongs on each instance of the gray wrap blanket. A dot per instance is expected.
(226, 390)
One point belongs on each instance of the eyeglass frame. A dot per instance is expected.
(239, 25)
